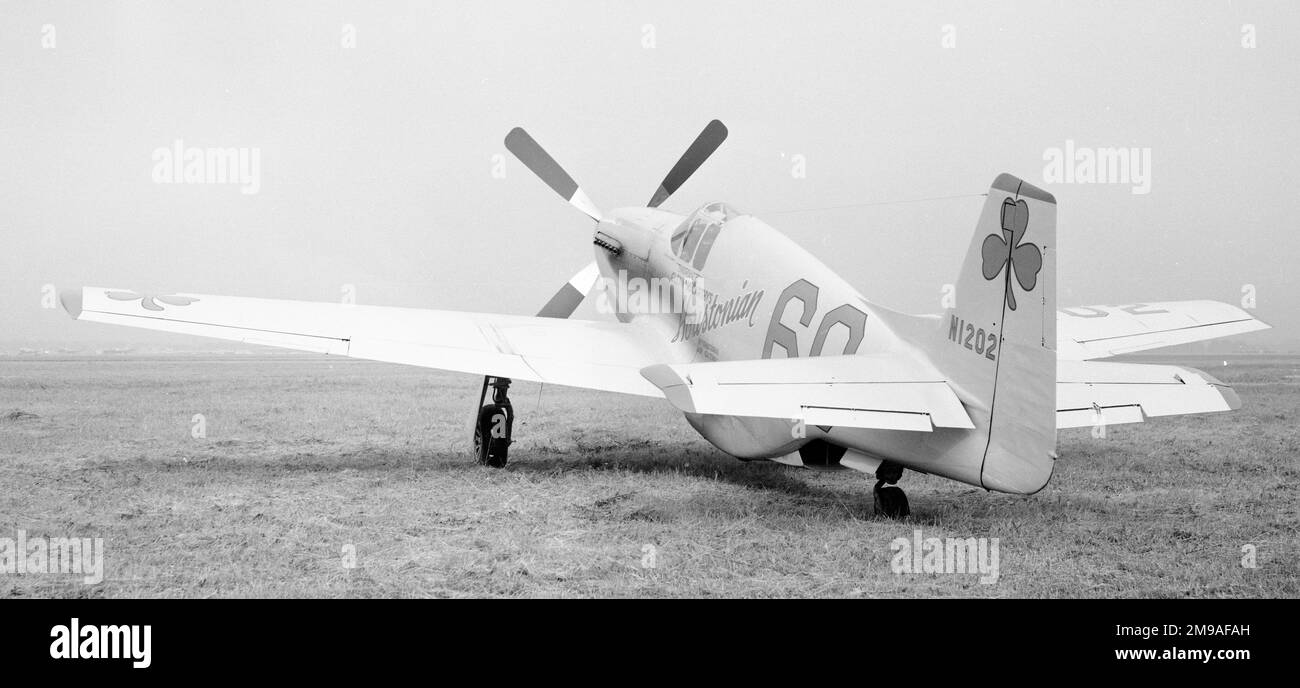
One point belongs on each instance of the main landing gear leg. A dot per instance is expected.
(890, 500)
(494, 423)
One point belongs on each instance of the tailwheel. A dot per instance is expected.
(890, 501)
(493, 426)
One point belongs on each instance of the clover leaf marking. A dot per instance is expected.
(150, 302)
(1023, 260)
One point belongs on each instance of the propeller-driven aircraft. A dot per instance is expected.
(769, 353)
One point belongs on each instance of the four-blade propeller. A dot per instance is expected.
(534, 157)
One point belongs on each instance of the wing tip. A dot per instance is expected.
(1229, 397)
(70, 299)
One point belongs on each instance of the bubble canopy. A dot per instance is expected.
(694, 237)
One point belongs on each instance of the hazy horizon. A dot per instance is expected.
(378, 131)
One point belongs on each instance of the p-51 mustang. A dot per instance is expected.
(770, 354)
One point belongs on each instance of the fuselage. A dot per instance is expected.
(721, 285)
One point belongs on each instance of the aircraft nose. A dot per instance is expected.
(615, 231)
(631, 230)
(648, 219)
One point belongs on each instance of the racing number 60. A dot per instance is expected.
(806, 293)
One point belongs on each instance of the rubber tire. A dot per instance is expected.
(891, 502)
(482, 429)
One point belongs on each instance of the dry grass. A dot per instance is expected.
(305, 455)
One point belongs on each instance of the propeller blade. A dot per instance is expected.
(535, 158)
(707, 142)
(566, 300)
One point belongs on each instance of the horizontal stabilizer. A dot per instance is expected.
(871, 391)
(1093, 393)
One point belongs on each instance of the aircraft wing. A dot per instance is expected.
(1087, 332)
(1091, 393)
(579, 353)
(891, 392)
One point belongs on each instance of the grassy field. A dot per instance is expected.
(308, 459)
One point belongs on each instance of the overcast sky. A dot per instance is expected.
(377, 127)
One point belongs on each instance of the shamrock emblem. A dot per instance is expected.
(1025, 260)
(149, 301)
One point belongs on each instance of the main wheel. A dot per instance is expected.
(491, 436)
(891, 502)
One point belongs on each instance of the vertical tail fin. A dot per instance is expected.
(1000, 353)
